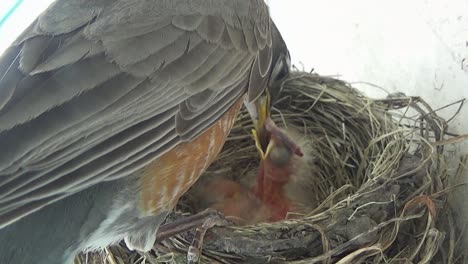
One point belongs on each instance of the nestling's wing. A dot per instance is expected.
(94, 90)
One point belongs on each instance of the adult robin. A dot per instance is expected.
(111, 109)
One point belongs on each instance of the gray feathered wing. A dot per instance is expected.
(95, 90)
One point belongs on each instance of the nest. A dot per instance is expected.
(378, 183)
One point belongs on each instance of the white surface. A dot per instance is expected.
(417, 47)
(19, 20)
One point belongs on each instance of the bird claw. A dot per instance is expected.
(202, 222)
(213, 218)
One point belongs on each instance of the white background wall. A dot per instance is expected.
(20, 19)
(416, 47)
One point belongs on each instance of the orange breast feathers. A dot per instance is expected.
(166, 179)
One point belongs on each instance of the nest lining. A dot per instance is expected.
(378, 182)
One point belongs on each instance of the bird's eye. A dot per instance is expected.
(279, 73)
(283, 72)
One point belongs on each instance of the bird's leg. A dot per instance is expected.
(194, 251)
(201, 221)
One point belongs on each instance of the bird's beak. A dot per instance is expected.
(259, 111)
(270, 146)
(264, 128)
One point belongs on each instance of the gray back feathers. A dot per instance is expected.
(94, 90)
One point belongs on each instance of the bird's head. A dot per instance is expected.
(262, 95)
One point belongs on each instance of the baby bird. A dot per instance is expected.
(268, 194)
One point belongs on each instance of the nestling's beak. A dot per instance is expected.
(264, 127)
